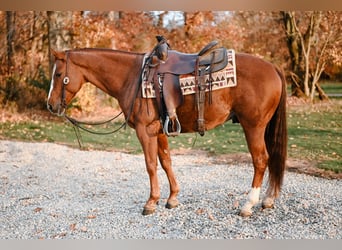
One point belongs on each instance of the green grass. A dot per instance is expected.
(333, 89)
(63, 133)
(226, 138)
(315, 134)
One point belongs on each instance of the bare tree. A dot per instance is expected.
(10, 26)
(310, 38)
(8, 89)
(59, 30)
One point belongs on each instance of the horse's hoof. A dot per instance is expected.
(265, 206)
(172, 204)
(148, 211)
(245, 213)
(268, 203)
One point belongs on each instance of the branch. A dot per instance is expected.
(295, 78)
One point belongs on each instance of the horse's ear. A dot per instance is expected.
(58, 54)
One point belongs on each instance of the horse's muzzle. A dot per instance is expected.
(56, 110)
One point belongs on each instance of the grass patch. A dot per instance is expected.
(315, 133)
(63, 133)
(332, 88)
(226, 138)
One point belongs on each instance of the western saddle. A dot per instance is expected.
(164, 67)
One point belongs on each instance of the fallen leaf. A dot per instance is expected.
(236, 204)
(200, 211)
(73, 227)
(210, 216)
(38, 209)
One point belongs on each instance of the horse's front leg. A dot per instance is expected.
(165, 161)
(150, 148)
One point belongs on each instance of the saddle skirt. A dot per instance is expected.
(220, 79)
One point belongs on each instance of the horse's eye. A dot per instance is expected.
(58, 74)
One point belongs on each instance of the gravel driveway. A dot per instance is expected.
(53, 191)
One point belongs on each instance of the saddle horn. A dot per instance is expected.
(162, 48)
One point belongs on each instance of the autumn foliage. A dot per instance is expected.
(27, 37)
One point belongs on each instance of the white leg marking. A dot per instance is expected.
(51, 85)
(253, 198)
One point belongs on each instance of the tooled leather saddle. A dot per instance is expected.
(165, 68)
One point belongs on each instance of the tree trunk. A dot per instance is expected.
(59, 33)
(10, 29)
(10, 88)
(34, 44)
(295, 51)
(59, 36)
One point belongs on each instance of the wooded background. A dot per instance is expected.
(306, 44)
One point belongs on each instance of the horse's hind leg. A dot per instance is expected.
(165, 161)
(257, 148)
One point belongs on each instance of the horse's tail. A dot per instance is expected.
(276, 142)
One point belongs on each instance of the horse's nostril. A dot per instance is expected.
(49, 107)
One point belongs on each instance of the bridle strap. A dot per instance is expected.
(66, 80)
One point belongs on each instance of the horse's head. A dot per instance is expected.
(66, 81)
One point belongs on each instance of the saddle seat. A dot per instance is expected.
(179, 63)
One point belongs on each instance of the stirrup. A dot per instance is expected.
(166, 127)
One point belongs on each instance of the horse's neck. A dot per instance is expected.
(116, 73)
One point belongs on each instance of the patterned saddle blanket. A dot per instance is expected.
(221, 79)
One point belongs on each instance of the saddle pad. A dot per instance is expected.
(221, 79)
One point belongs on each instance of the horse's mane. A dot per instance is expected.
(104, 50)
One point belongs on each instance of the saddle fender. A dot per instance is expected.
(172, 93)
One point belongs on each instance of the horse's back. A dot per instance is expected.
(253, 100)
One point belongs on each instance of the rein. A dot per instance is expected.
(77, 125)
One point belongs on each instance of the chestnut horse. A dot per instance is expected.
(258, 103)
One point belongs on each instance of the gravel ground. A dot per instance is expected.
(52, 191)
